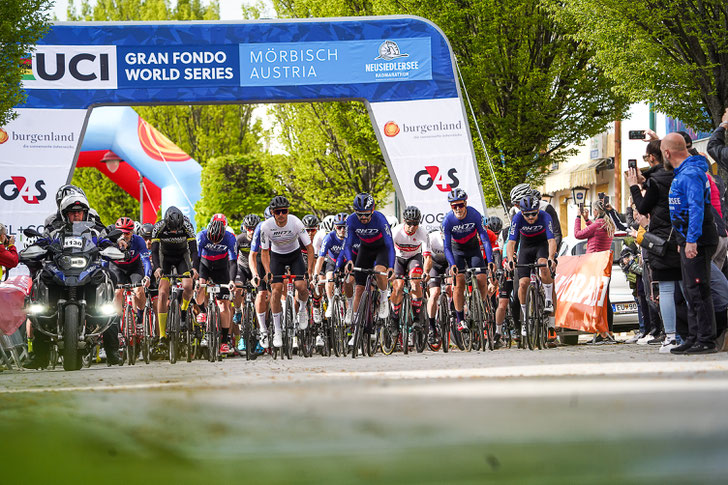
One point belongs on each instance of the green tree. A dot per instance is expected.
(672, 53)
(535, 90)
(107, 198)
(22, 24)
(233, 185)
(332, 155)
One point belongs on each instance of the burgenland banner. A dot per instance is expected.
(36, 153)
(582, 286)
(429, 148)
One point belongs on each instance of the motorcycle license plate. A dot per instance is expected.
(73, 243)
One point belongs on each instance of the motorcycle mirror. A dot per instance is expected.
(31, 233)
(114, 234)
(112, 253)
(32, 253)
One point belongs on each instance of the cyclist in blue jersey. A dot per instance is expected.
(461, 228)
(217, 264)
(331, 248)
(262, 299)
(135, 267)
(376, 251)
(533, 228)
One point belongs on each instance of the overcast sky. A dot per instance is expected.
(229, 9)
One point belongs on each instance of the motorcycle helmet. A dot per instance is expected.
(65, 190)
(73, 203)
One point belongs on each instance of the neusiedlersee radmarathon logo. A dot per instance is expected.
(435, 177)
(428, 130)
(389, 50)
(31, 193)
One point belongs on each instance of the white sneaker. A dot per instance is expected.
(349, 315)
(329, 311)
(317, 314)
(102, 354)
(277, 340)
(667, 345)
(462, 325)
(411, 340)
(295, 342)
(264, 341)
(303, 319)
(351, 341)
(548, 307)
(634, 338)
(203, 342)
(319, 341)
(383, 307)
(644, 340)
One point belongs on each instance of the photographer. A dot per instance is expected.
(8, 252)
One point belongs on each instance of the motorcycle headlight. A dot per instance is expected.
(72, 262)
(107, 309)
(36, 309)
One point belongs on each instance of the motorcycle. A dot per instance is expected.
(72, 299)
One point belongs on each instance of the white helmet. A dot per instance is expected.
(519, 192)
(74, 202)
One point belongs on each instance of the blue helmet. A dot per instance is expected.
(456, 195)
(528, 203)
(266, 213)
(363, 202)
(340, 219)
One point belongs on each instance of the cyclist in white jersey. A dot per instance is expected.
(279, 241)
(436, 267)
(412, 250)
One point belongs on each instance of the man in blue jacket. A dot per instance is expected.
(697, 238)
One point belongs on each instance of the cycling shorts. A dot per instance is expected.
(404, 266)
(368, 258)
(329, 265)
(243, 276)
(215, 272)
(505, 289)
(127, 274)
(471, 259)
(278, 263)
(531, 253)
(179, 264)
(437, 271)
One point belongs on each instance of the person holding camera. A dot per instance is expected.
(8, 252)
(659, 242)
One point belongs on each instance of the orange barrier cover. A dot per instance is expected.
(581, 287)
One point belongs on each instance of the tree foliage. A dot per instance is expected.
(22, 24)
(332, 154)
(233, 185)
(534, 89)
(107, 198)
(672, 53)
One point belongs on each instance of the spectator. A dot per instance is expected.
(691, 216)
(655, 331)
(8, 252)
(664, 266)
(599, 235)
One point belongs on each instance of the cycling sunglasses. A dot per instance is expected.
(278, 212)
(459, 205)
(363, 215)
(530, 214)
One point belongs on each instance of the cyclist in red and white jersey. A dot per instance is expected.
(412, 249)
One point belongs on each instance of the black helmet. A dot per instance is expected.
(279, 202)
(251, 220)
(146, 230)
(65, 190)
(495, 224)
(536, 193)
(363, 202)
(340, 219)
(310, 221)
(456, 195)
(174, 218)
(411, 214)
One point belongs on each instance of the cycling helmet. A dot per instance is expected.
(266, 213)
(251, 220)
(174, 218)
(528, 203)
(220, 217)
(456, 195)
(279, 202)
(146, 230)
(411, 214)
(495, 224)
(72, 203)
(310, 221)
(536, 193)
(67, 190)
(215, 231)
(125, 225)
(202, 318)
(363, 202)
(340, 219)
(137, 227)
(519, 192)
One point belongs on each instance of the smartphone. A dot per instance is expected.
(637, 134)
(605, 200)
(600, 195)
(655, 289)
(632, 163)
(581, 208)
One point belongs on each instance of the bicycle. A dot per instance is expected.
(174, 315)
(369, 308)
(508, 322)
(248, 330)
(129, 324)
(213, 326)
(407, 322)
(289, 325)
(443, 317)
(337, 325)
(536, 321)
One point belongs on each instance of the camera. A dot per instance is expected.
(600, 195)
(605, 200)
(637, 134)
(632, 163)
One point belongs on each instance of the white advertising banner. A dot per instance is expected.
(430, 152)
(36, 155)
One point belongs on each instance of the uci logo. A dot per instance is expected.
(424, 179)
(16, 186)
(73, 67)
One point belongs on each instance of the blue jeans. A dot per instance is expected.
(667, 305)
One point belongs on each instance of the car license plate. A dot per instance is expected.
(624, 307)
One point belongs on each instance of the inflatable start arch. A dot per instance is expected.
(402, 68)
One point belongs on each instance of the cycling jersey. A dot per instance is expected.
(331, 246)
(437, 247)
(174, 246)
(318, 241)
(538, 231)
(283, 240)
(375, 234)
(408, 245)
(243, 244)
(461, 236)
(255, 243)
(135, 253)
(215, 258)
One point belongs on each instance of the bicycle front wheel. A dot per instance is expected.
(531, 317)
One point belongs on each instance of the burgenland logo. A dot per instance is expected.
(391, 129)
(3, 136)
(428, 130)
(431, 175)
(389, 50)
(31, 193)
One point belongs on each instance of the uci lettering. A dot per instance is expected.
(11, 188)
(86, 72)
(424, 179)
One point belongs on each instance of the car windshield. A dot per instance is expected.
(617, 245)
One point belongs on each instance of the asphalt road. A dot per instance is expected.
(581, 414)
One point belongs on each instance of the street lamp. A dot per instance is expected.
(578, 195)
